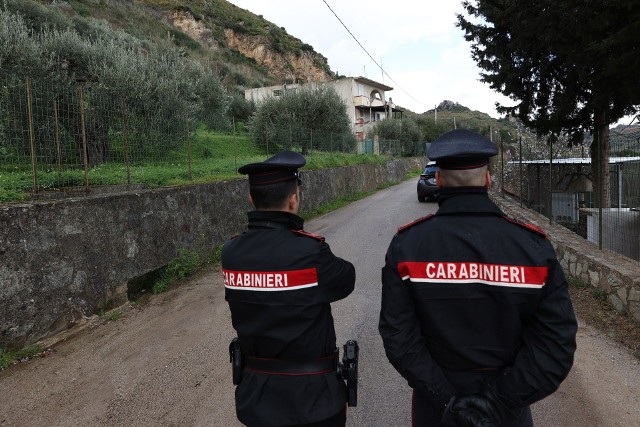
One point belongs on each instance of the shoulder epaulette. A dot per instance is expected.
(412, 223)
(313, 236)
(526, 225)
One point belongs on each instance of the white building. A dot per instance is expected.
(366, 100)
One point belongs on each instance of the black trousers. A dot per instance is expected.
(338, 420)
(424, 415)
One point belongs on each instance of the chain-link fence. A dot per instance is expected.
(561, 183)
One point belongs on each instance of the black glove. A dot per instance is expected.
(477, 410)
(458, 415)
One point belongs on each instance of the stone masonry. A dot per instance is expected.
(618, 276)
(61, 261)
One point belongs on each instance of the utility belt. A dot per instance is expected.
(322, 365)
(347, 370)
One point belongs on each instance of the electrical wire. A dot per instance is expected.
(374, 61)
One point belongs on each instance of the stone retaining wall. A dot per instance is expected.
(618, 276)
(62, 260)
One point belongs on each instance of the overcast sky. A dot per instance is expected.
(416, 42)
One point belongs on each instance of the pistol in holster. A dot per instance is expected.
(235, 357)
(348, 370)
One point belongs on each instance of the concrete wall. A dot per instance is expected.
(63, 260)
(617, 275)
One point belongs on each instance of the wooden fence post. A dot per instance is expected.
(126, 140)
(31, 138)
(186, 120)
(85, 155)
(58, 150)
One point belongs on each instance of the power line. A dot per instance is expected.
(374, 61)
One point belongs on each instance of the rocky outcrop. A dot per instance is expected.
(290, 66)
(193, 28)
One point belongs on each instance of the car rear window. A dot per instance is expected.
(430, 170)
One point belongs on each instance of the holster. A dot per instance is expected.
(348, 370)
(235, 357)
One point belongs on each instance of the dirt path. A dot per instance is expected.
(165, 362)
(160, 364)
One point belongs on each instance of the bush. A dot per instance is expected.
(300, 119)
(405, 132)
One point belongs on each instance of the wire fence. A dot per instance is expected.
(307, 140)
(74, 137)
(560, 183)
(59, 140)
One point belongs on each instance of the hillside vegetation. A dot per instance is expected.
(201, 29)
(226, 39)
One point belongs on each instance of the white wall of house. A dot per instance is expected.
(358, 93)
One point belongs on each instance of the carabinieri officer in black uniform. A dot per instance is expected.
(475, 313)
(279, 283)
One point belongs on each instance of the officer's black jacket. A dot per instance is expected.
(279, 283)
(471, 297)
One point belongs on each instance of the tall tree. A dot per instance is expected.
(571, 67)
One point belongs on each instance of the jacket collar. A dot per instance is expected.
(458, 200)
(275, 219)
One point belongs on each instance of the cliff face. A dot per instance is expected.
(288, 66)
(185, 22)
(301, 65)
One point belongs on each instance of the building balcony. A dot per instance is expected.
(361, 101)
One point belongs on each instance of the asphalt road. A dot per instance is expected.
(166, 363)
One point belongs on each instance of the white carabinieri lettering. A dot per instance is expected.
(473, 272)
(269, 281)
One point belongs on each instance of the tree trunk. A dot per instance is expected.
(600, 160)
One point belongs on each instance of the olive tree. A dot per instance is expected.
(291, 120)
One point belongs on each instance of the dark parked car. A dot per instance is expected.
(427, 188)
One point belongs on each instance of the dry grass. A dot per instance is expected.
(592, 307)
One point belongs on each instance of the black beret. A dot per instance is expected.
(281, 167)
(461, 149)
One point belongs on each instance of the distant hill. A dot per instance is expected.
(244, 49)
(449, 115)
(625, 140)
